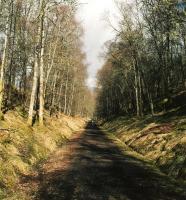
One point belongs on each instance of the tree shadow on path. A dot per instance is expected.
(92, 167)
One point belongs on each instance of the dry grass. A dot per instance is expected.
(161, 139)
(22, 147)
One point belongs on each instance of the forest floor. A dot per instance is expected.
(94, 165)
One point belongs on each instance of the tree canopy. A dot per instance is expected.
(42, 62)
(146, 63)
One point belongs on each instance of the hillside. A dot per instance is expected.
(160, 139)
(23, 148)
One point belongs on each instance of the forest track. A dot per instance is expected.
(92, 167)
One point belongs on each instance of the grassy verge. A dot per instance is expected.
(22, 148)
(160, 139)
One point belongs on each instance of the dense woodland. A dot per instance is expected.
(43, 66)
(136, 146)
(145, 66)
(42, 63)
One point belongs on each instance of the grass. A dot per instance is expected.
(23, 148)
(160, 138)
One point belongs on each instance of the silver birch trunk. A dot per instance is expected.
(3, 66)
(52, 61)
(72, 99)
(41, 82)
(34, 90)
(38, 71)
(66, 88)
(137, 91)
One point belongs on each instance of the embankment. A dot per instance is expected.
(22, 148)
(160, 139)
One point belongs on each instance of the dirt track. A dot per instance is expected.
(93, 167)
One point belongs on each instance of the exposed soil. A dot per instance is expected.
(92, 167)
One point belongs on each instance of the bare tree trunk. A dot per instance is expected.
(41, 80)
(140, 94)
(34, 90)
(72, 98)
(59, 98)
(3, 66)
(137, 91)
(151, 104)
(41, 67)
(52, 61)
(38, 71)
(53, 91)
(13, 37)
(149, 95)
(66, 88)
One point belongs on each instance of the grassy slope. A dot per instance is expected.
(160, 139)
(22, 148)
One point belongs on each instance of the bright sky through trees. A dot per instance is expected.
(93, 14)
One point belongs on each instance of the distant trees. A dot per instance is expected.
(146, 63)
(42, 64)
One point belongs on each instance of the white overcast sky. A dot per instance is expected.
(96, 31)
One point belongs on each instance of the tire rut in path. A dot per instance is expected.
(93, 167)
